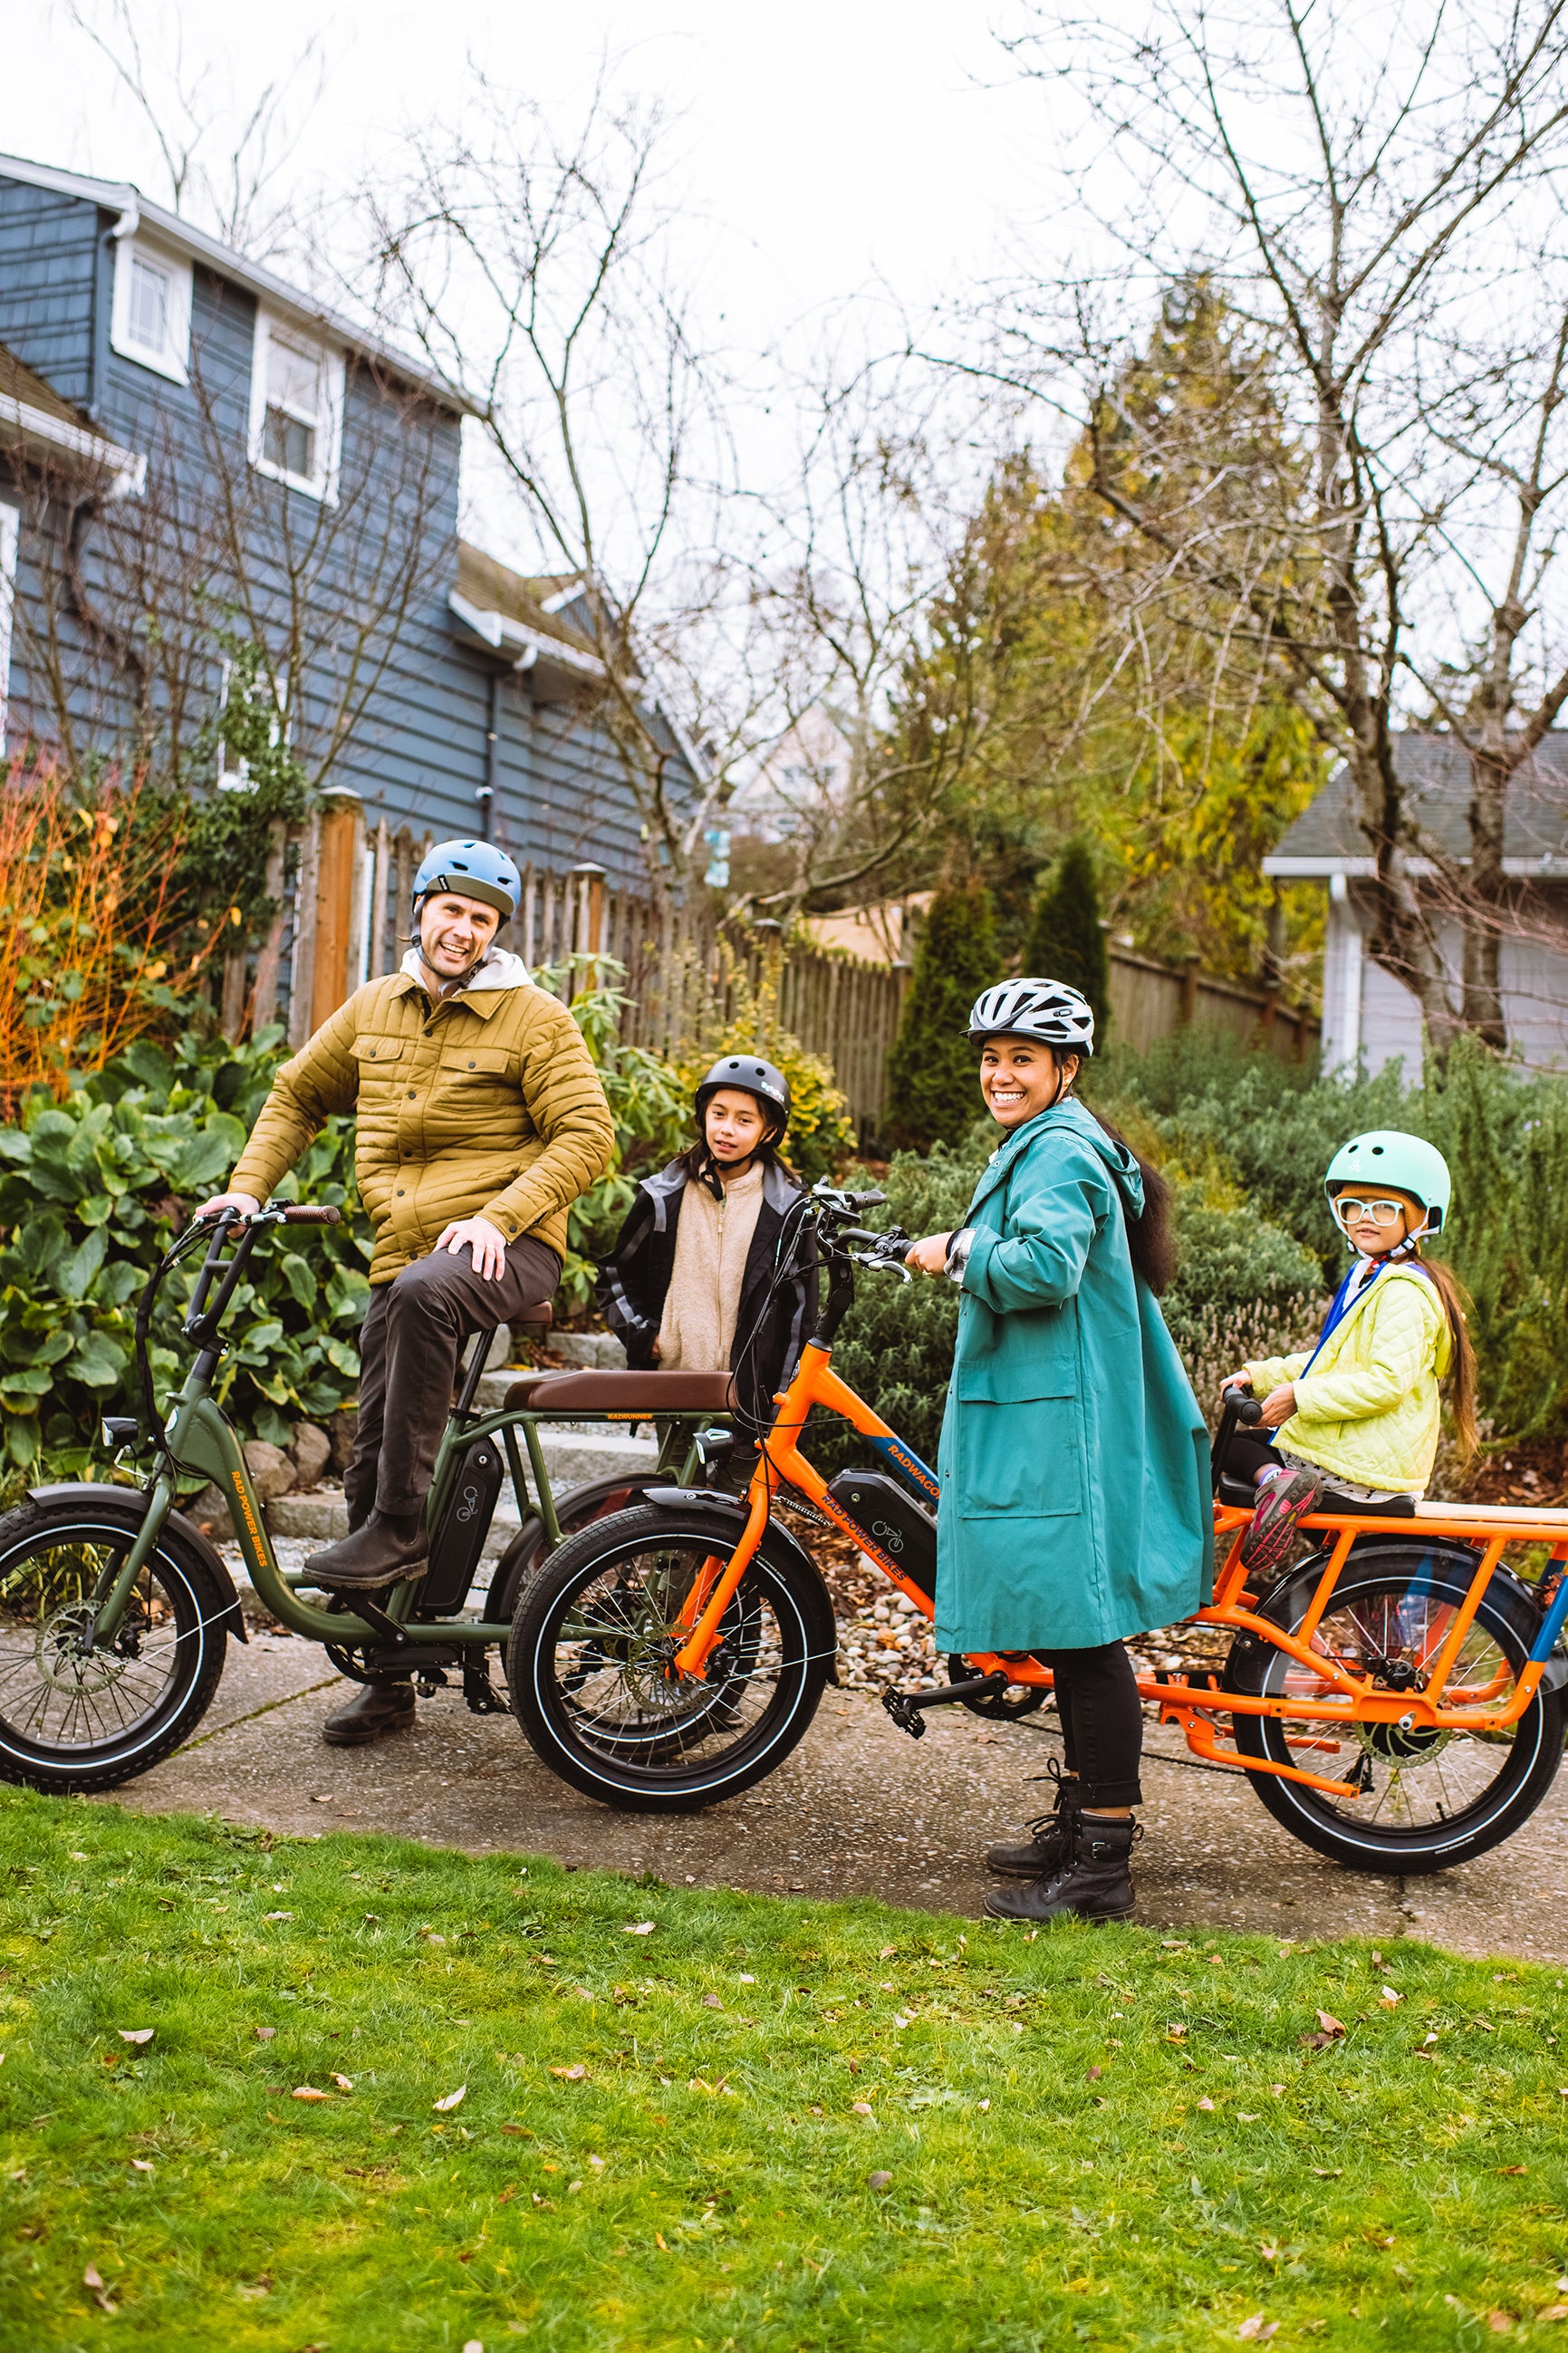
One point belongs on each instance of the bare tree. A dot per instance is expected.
(229, 158)
(534, 270)
(1374, 189)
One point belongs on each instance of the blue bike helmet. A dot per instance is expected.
(475, 870)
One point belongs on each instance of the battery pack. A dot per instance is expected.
(460, 1538)
(891, 1522)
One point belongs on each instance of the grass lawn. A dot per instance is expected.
(755, 2126)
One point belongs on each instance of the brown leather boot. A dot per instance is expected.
(389, 1546)
(375, 1709)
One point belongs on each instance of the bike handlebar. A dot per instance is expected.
(311, 1213)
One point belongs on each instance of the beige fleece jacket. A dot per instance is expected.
(697, 1331)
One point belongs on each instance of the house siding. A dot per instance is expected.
(416, 751)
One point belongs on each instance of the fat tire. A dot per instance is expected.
(1536, 1751)
(202, 1608)
(806, 1628)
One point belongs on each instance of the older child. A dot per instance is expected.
(1074, 1507)
(1359, 1413)
(687, 1285)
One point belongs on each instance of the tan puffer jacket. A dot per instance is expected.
(485, 1104)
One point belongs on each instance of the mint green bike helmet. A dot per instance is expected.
(1387, 1155)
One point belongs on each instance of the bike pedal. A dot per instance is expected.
(905, 1714)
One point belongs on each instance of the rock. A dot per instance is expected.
(309, 1451)
(210, 1512)
(271, 1471)
(341, 1430)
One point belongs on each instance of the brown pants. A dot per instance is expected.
(413, 1335)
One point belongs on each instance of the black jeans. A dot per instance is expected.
(413, 1335)
(1102, 1721)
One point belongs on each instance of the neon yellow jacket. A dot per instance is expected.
(1369, 1409)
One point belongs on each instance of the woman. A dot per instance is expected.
(1076, 1504)
(687, 1285)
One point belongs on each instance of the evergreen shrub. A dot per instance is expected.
(933, 1090)
(1066, 939)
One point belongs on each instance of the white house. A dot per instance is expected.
(1365, 1012)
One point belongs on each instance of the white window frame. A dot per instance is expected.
(174, 359)
(323, 483)
(10, 536)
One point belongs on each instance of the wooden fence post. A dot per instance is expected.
(338, 863)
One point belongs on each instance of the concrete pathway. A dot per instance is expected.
(858, 1809)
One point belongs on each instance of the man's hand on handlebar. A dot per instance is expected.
(244, 1204)
(929, 1255)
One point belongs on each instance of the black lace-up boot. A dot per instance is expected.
(1049, 1844)
(1096, 1882)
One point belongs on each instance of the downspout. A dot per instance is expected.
(485, 794)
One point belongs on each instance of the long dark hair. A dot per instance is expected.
(1151, 1236)
(1461, 1375)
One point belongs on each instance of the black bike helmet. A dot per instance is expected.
(753, 1077)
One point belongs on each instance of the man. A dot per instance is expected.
(481, 1119)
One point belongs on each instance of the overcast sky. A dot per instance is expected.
(820, 150)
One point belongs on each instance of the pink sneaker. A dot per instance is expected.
(1285, 1500)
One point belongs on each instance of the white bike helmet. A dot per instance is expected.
(1046, 1010)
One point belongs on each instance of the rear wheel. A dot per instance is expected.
(78, 1714)
(1425, 1798)
(592, 1661)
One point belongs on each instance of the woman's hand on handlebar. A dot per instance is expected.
(244, 1204)
(930, 1255)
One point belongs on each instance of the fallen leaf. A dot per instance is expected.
(1500, 2323)
(135, 2033)
(308, 2092)
(639, 1927)
(712, 2001)
(567, 2074)
(878, 2181)
(1248, 2117)
(1554, 2312)
(1216, 1960)
(659, 2240)
(983, 2106)
(1330, 2023)
(452, 2100)
(1174, 2033)
(861, 2108)
(887, 1952)
(1094, 2074)
(343, 2083)
(1278, 2090)
(278, 1916)
(92, 2279)
(1328, 2172)
(1257, 2328)
(521, 2130)
(143, 2164)
(1389, 1998)
(265, 2033)
(1208, 2104)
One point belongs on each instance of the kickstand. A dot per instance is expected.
(905, 1707)
(479, 1692)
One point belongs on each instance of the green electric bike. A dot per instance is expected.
(116, 1610)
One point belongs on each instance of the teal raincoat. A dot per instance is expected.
(1076, 1504)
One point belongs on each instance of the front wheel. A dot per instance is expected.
(1425, 1798)
(591, 1662)
(77, 1714)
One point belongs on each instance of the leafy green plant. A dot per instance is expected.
(91, 1193)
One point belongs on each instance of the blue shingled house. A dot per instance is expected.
(189, 445)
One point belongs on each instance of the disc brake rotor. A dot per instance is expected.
(63, 1663)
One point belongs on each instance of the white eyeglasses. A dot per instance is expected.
(1350, 1211)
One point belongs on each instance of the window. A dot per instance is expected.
(152, 322)
(10, 522)
(296, 408)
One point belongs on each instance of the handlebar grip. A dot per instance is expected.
(309, 1213)
(1249, 1410)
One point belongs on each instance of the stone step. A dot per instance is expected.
(573, 1458)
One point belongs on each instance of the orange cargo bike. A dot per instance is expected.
(1395, 1697)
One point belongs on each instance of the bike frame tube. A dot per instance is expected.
(1348, 1699)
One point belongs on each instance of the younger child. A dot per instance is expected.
(1359, 1413)
(687, 1285)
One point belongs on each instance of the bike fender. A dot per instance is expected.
(737, 1511)
(128, 1503)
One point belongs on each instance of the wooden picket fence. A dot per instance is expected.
(345, 891)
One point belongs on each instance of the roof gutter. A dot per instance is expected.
(503, 635)
(45, 437)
